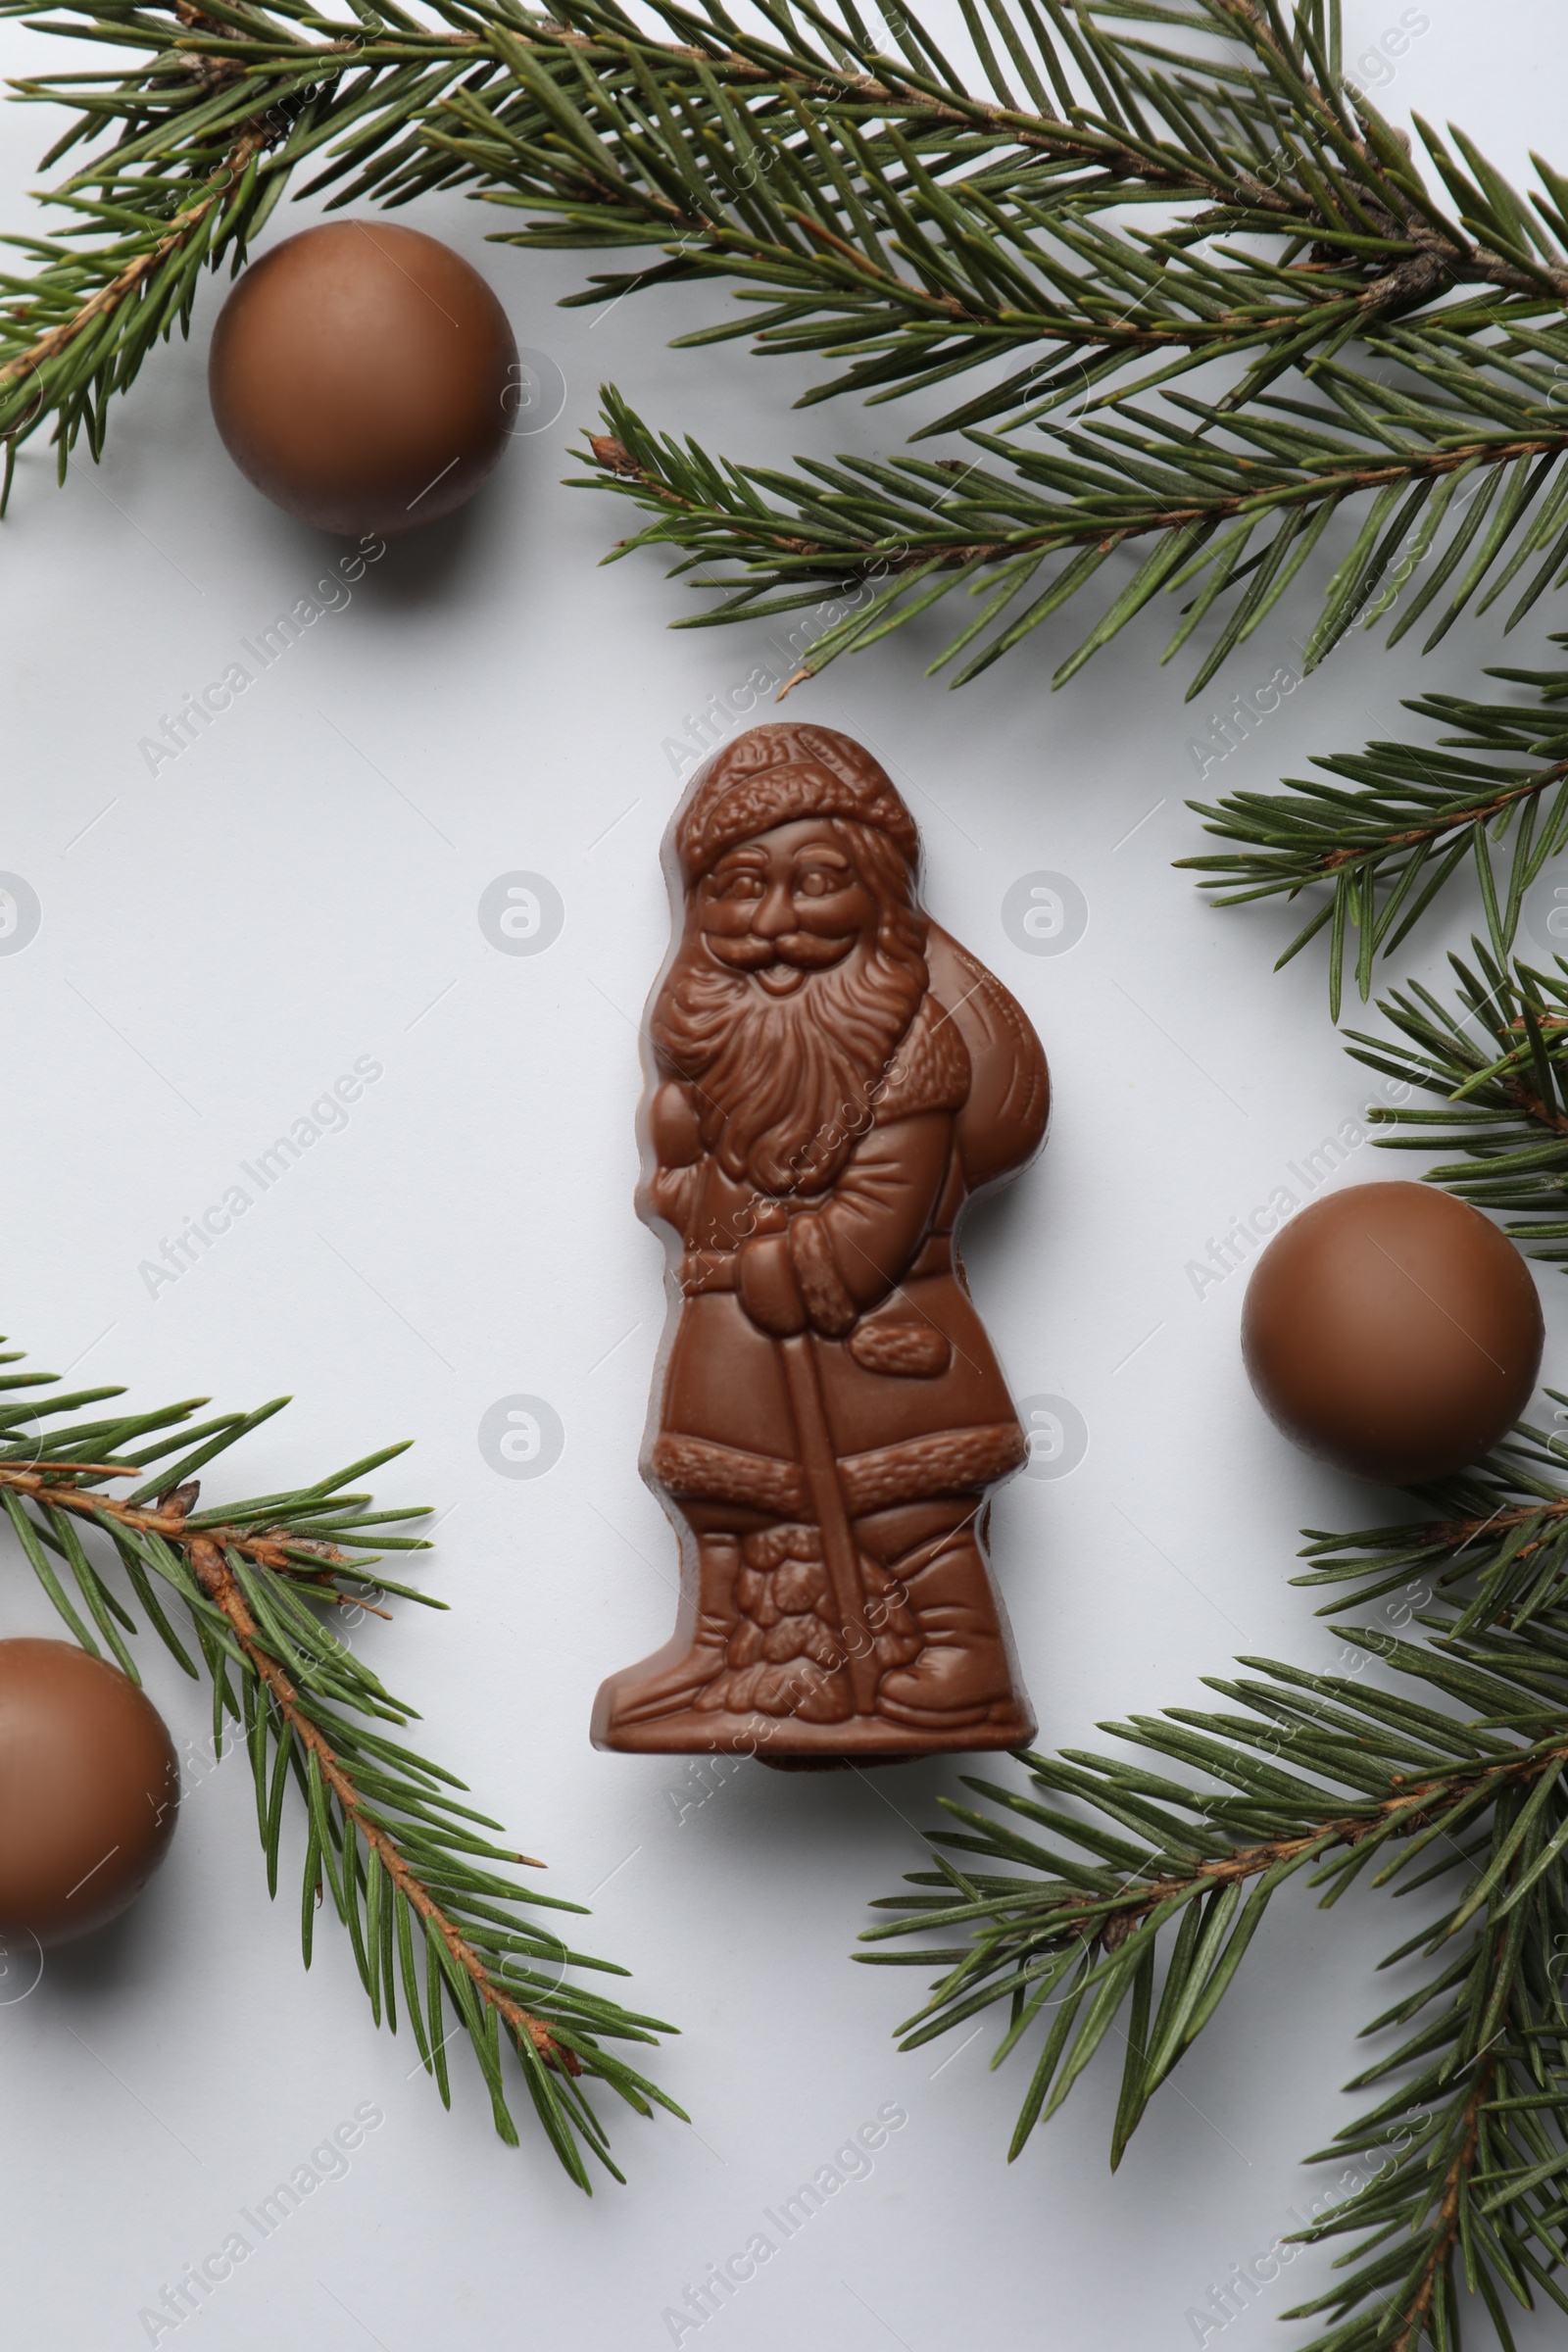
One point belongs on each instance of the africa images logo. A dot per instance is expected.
(20, 914)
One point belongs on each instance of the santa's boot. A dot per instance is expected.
(962, 1674)
(640, 1699)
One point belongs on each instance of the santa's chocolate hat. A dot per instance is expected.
(772, 776)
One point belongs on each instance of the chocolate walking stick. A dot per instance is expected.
(821, 1465)
(833, 1078)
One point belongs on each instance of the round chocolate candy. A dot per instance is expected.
(88, 1790)
(1393, 1331)
(359, 376)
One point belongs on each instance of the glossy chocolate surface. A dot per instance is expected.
(1393, 1331)
(89, 1788)
(360, 374)
(832, 1079)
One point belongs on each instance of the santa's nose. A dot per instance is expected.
(775, 914)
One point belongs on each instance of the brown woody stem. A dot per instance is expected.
(217, 1581)
(1418, 2314)
(1350, 1828)
(1482, 813)
(904, 555)
(109, 296)
(265, 1547)
(1460, 1532)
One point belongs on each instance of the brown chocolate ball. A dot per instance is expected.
(359, 376)
(1393, 1331)
(88, 1790)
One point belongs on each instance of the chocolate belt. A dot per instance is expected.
(704, 1271)
(943, 1461)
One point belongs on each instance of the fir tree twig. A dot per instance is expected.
(1499, 1527)
(884, 213)
(1402, 819)
(1059, 1897)
(1228, 497)
(1500, 1066)
(431, 1910)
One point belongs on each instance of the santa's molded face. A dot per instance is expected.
(784, 904)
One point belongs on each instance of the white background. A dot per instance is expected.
(300, 889)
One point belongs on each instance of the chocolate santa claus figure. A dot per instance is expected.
(833, 1077)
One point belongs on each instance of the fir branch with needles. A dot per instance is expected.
(1500, 1064)
(1233, 502)
(865, 202)
(1382, 841)
(1500, 1527)
(433, 1911)
(1233, 493)
(1063, 1897)
(198, 139)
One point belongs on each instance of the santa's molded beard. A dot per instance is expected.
(786, 1084)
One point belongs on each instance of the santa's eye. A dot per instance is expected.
(743, 884)
(818, 882)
